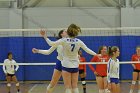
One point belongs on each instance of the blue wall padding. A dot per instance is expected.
(22, 46)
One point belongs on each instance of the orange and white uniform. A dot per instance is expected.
(135, 57)
(101, 69)
(82, 66)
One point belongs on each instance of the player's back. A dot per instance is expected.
(70, 53)
(71, 47)
(70, 50)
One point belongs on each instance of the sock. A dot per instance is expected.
(75, 90)
(68, 90)
(139, 91)
(50, 88)
(131, 91)
(101, 91)
(107, 91)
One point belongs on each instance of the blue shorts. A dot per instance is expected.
(58, 66)
(71, 70)
(114, 80)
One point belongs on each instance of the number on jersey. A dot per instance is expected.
(72, 47)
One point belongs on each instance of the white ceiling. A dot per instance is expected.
(75, 3)
(69, 3)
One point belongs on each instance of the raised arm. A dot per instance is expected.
(85, 48)
(44, 52)
(54, 43)
(51, 43)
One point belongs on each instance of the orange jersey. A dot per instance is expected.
(101, 69)
(82, 67)
(135, 57)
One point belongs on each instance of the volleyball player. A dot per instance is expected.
(113, 70)
(9, 70)
(58, 68)
(136, 72)
(82, 70)
(70, 62)
(101, 69)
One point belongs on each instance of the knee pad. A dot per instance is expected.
(75, 90)
(83, 82)
(68, 90)
(8, 85)
(133, 82)
(17, 84)
(50, 88)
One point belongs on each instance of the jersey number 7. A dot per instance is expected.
(72, 47)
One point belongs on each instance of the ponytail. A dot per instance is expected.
(111, 50)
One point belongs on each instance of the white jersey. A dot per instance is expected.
(10, 68)
(112, 69)
(49, 51)
(60, 52)
(71, 47)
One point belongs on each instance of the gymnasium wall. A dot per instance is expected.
(62, 17)
(21, 48)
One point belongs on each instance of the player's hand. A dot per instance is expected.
(96, 73)
(99, 55)
(34, 50)
(134, 66)
(43, 33)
